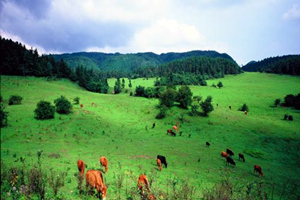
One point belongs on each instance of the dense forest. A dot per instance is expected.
(280, 65)
(17, 60)
(126, 63)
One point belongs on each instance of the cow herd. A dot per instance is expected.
(94, 178)
(229, 160)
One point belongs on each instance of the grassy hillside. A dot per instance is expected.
(119, 127)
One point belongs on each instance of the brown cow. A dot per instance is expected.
(94, 180)
(171, 132)
(224, 154)
(159, 164)
(81, 105)
(258, 169)
(143, 183)
(80, 165)
(175, 128)
(103, 162)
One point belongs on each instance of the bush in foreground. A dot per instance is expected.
(63, 105)
(44, 110)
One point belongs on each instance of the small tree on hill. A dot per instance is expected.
(207, 106)
(15, 100)
(123, 83)
(184, 96)
(63, 105)
(140, 91)
(3, 116)
(220, 84)
(168, 97)
(44, 110)
(76, 100)
(117, 87)
(244, 108)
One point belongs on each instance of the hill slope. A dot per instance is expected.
(119, 127)
(129, 62)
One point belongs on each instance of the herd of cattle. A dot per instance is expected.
(94, 178)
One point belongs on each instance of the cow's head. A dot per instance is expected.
(103, 192)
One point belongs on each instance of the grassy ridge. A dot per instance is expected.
(119, 127)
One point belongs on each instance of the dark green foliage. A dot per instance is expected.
(76, 100)
(3, 116)
(292, 101)
(117, 87)
(168, 97)
(140, 91)
(277, 102)
(197, 98)
(184, 97)
(286, 116)
(139, 64)
(291, 118)
(123, 83)
(15, 100)
(63, 105)
(194, 109)
(244, 108)
(44, 110)
(207, 106)
(162, 112)
(130, 85)
(220, 84)
(280, 65)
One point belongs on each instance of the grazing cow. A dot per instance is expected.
(163, 160)
(93, 103)
(103, 162)
(81, 105)
(175, 128)
(158, 164)
(229, 152)
(143, 183)
(171, 132)
(230, 107)
(241, 156)
(246, 113)
(224, 154)
(80, 165)
(94, 179)
(258, 169)
(229, 160)
(207, 144)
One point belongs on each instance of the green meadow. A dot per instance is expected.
(120, 128)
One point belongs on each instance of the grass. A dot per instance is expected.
(120, 128)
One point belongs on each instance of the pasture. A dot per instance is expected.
(120, 128)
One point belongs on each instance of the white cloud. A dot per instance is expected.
(293, 13)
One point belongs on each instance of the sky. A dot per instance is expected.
(245, 29)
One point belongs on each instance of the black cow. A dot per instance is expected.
(207, 144)
(229, 160)
(229, 152)
(241, 156)
(163, 160)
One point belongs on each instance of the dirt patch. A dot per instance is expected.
(54, 155)
(143, 156)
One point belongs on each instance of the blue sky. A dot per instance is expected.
(245, 29)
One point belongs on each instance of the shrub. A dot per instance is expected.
(15, 100)
(207, 106)
(63, 106)
(244, 108)
(291, 118)
(168, 97)
(44, 110)
(184, 96)
(3, 116)
(76, 100)
(162, 112)
(139, 91)
(220, 84)
(277, 102)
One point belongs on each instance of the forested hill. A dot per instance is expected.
(289, 64)
(129, 62)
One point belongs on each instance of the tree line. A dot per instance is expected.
(19, 61)
(280, 65)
